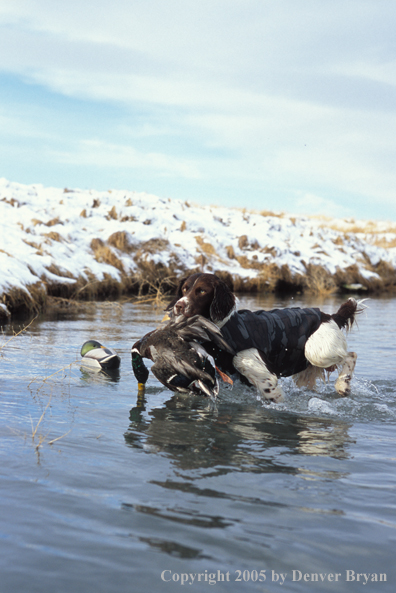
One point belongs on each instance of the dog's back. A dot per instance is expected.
(279, 335)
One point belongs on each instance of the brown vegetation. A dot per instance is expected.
(104, 254)
(151, 278)
(25, 302)
(120, 240)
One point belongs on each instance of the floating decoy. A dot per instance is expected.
(181, 361)
(95, 355)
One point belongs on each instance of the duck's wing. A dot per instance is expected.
(183, 376)
(192, 365)
(201, 329)
(179, 382)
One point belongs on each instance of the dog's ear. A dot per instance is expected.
(223, 302)
(177, 296)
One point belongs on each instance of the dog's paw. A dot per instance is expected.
(271, 395)
(343, 385)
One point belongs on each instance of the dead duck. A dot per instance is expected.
(181, 362)
(94, 355)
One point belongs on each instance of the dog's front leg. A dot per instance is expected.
(250, 364)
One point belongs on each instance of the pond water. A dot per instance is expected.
(101, 492)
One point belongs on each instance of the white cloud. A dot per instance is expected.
(316, 205)
(101, 154)
(293, 95)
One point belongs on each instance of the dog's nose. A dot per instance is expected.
(179, 308)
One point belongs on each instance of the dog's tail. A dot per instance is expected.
(346, 314)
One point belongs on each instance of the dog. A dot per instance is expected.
(298, 342)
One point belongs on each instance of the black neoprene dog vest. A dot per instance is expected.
(279, 335)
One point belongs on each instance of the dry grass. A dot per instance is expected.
(6, 253)
(156, 293)
(230, 252)
(57, 271)
(53, 221)
(32, 244)
(207, 256)
(384, 242)
(26, 302)
(243, 242)
(12, 201)
(154, 246)
(62, 305)
(318, 281)
(104, 254)
(270, 213)
(120, 240)
(248, 264)
(94, 289)
(52, 236)
(206, 248)
(112, 214)
(339, 240)
(370, 227)
(151, 273)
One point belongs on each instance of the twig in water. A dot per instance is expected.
(18, 333)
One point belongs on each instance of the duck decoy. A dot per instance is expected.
(181, 361)
(95, 355)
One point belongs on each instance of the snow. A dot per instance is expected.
(46, 236)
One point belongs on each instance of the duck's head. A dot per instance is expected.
(90, 345)
(140, 370)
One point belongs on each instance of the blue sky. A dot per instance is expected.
(285, 105)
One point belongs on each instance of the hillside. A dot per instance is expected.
(86, 244)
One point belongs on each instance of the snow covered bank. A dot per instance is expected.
(86, 244)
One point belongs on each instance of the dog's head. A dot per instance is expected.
(203, 294)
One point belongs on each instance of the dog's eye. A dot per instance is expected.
(201, 291)
(184, 289)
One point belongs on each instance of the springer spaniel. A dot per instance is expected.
(297, 342)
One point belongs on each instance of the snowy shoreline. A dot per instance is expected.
(86, 244)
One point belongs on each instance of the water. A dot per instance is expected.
(100, 493)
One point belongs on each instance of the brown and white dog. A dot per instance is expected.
(298, 342)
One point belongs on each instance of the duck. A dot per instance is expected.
(95, 355)
(181, 362)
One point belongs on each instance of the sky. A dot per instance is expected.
(279, 105)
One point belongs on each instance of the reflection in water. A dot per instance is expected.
(99, 375)
(196, 433)
(323, 438)
(207, 441)
(174, 548)
(184, 517)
